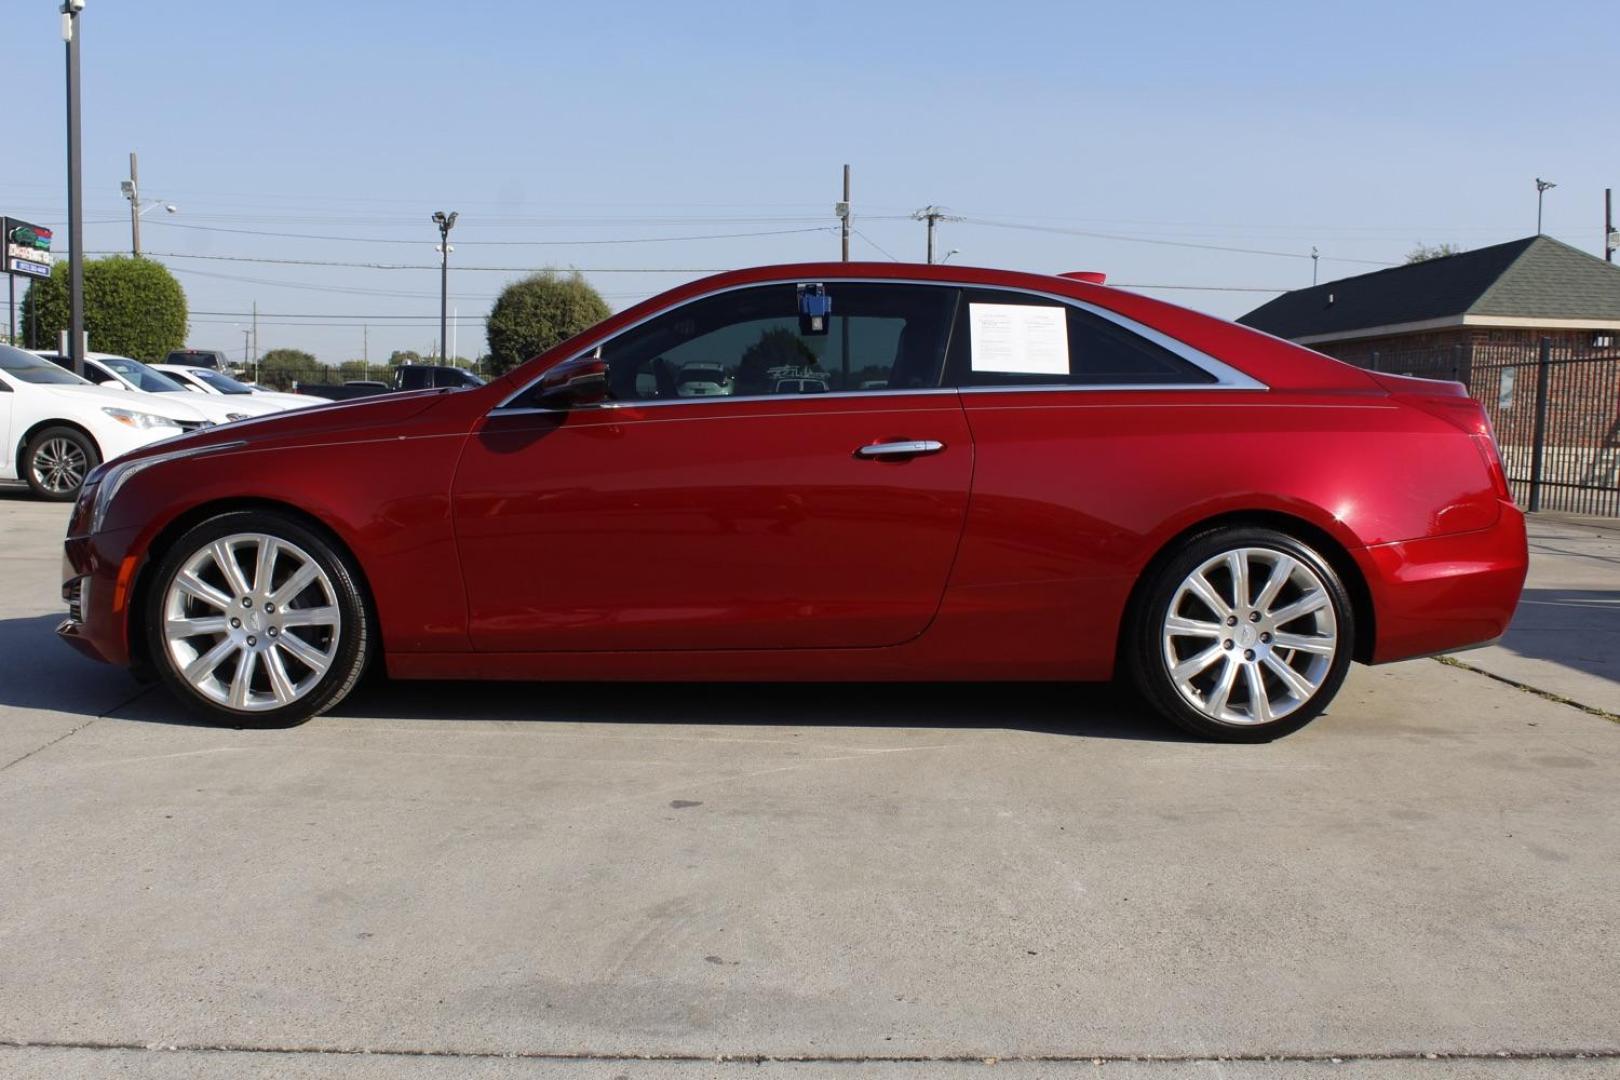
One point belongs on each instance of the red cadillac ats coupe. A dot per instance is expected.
(836, 471)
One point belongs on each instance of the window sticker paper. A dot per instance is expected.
(1019, 339)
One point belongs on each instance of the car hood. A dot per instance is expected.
(302, 425)
(134, 400)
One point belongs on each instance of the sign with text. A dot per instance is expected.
(27, 250)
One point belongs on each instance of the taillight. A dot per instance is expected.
(1486, 445)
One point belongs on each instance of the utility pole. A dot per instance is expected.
(1314, 256)
(932, 215)
(1609, 236)
(255, 341)
(133, 192)
(1542, 187)
(842, 210)
(365, 344)
(247, 357)
(445, 222)
(72, 11)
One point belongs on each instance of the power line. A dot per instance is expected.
(423, 266)
(502, 243)
(987, 223)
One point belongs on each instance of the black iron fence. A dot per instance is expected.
(1556, 411)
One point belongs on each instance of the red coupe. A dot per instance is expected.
(838, 471)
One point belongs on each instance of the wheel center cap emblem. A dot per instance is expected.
(1246, 635)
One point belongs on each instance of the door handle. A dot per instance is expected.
(903, 448)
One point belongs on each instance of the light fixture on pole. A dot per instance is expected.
(131, 190)
(72, 10)
(1542, 187)
(445, 222)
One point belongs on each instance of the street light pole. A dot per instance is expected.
(1542, 187)
(445, 222)
(134, 193)
(71, 32)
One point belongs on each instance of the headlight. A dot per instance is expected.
(110, 477)
(131, 418)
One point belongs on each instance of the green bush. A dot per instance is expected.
(132, 307)
(532, 315)
(280, 368)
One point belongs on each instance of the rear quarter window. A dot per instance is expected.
(1005, 338)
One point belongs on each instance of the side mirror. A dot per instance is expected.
(582, 381)
(111, 384)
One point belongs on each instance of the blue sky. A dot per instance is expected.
(1360, 129)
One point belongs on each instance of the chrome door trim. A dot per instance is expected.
(1226, 376)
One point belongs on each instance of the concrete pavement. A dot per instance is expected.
(504, 881)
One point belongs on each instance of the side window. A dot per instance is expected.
(1016, 339)
(749, 342)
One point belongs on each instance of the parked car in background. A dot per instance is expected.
(702, 380)
(406, 377)
(212, 359)
(115, 372)
(1058, 481)
(55, 427)
(217, 383)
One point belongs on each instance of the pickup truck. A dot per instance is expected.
(406, 377)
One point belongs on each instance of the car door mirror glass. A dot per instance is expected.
(581, 381)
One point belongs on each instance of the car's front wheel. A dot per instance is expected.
(256, 620)
(1243, 635)
(56, 461)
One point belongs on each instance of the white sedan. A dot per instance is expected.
(55, 427)
(120, 372)
(208, 381)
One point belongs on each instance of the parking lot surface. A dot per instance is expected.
(455, 880)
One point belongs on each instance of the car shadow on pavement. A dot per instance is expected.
(1573, 628)
(39, 672)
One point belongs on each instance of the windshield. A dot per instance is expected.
(26, 367)
(223, 383)
(141, 376)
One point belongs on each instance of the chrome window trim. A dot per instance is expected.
(1226, 376)
(658, 403)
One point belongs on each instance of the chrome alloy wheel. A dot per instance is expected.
(1250, 636)
(60, 466)
(251, 622)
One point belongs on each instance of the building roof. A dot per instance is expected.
(1535, 278)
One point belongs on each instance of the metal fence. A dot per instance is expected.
(1556, 411)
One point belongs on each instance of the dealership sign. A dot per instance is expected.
(28, 248)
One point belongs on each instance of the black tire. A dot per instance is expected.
(351, 644)
(53, 450)
(1146, 646)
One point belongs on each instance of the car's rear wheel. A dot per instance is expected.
(1243, 635)
(256, 620)
(56, 461)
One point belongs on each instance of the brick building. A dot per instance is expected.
(1505, 297)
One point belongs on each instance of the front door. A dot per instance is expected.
(752, 485)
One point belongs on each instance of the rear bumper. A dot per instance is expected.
(1446, 593)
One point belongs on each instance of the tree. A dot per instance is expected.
(354, 369)
(775, 349)
(532, 315)
(1424, 252)
(404, 356)
(132, 307)
(282, 367)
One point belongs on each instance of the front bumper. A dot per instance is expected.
(1446, 593)
(98, 579)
